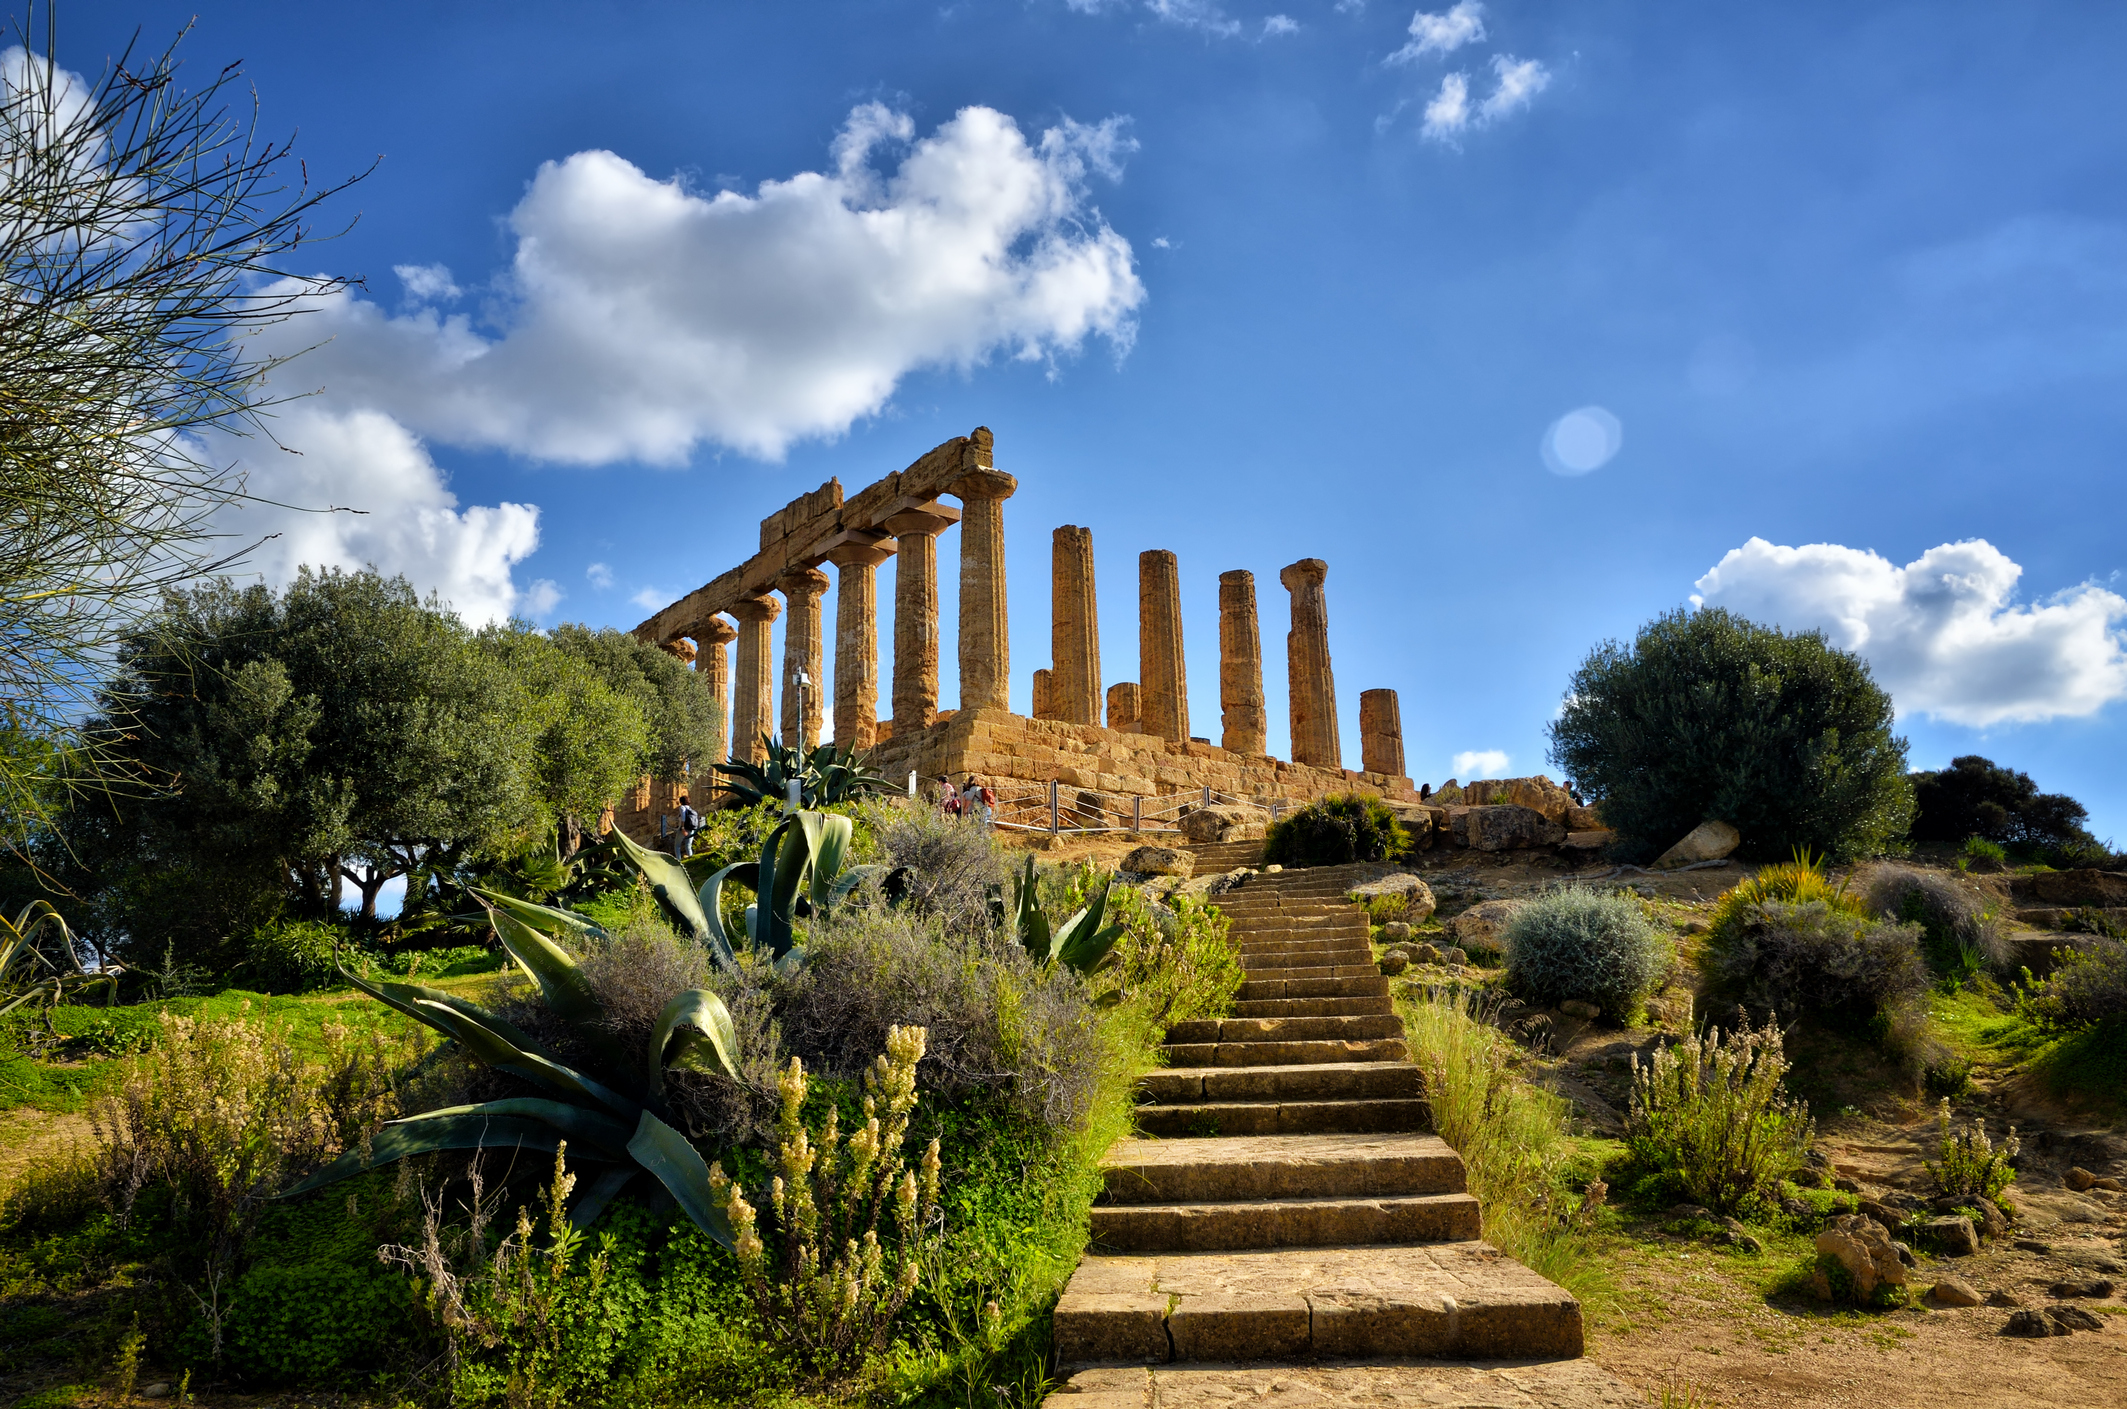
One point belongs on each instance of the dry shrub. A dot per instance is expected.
(2087, 989)
(1173, 963)
(953, 862)
(638, 971)
(1964, 930)
(1712, 1115)
(1812, 958)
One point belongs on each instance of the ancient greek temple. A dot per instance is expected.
(1130, 739)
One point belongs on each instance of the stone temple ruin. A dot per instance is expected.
(1109, 754)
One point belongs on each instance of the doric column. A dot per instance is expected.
(1074, 629)
(985, 638)
(1313, 690)
(915, 618)
(1241, 712)
(802, 588)
(712, 665)
(1162, 678)
(857, 642)
(753, 682)
(1044, 694)
(1380, 733)
(1122, 705)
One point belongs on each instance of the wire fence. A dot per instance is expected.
(1058, 809)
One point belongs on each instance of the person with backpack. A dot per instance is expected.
(690, 822)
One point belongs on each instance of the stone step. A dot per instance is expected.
(1278, 1167)
(1285, 1223)
(1545, 1384)
(1289, 956)
(1457, 1300)
(1301, 929)
(1297, 1053)
(1306, 973)
(1284, 1029)
(1318, 1081)
(1223, 1118)
(1370, 984)
(1299, 941)
(1310, 1007)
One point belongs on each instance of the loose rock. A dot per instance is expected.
(1580, 1008)
(1453, 956)
(1395, 962)
(1863, 1247)
(1482, 925)
(2032, 1322)
(1424, 954)
(1709, 841)
(1953, 1236)
(1510, 826)
(1953, 1291)
(2097, 1290)
(1395, 931)
(1224, 822)
(1160, 861)
(2073, 1318)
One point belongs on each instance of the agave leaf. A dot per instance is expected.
(793, 960)
(408, 998)
(711, 900)
(1082, 945)
(694, 1031)
(786, 859)
(606, 1137)
(460, 1131)
(544, 918)
(678, 1166)
(669, 882)
(555, 970)
(830, 845)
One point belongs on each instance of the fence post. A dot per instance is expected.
(1052, 807)
(1207, 794)
(1137, 813)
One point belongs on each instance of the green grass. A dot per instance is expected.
(2088, 1068)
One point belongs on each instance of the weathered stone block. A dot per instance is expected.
(1509, 826)
(1160, 861)
(1709, 841)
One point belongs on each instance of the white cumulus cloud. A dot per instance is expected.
(1474, 764)
(599, 575)
(540, 598)
(1442, 33)
(427, 283)
(1520, 80)
(648, 318)
(1449, 111)
(1944, 634)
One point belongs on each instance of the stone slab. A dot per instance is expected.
(1310, 1007)
(1324, 1081)
(1460, 1300)
(1277, 1167)
(1285, 1223)
(1284, 1118)
(1264, 1054)
(1368, 1384)
(1294, 1029)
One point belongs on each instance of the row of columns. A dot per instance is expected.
(1156, 703)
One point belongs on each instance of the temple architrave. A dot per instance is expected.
(1143, 748)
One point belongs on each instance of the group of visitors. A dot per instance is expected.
(972, 800)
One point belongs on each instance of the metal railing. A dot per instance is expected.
(1059, 809)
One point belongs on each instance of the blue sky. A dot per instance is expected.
(1253, 283)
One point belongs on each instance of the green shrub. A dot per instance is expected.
(1710, 1116)
(1171, 964)
(1596, 946)
(1979, 854)
(2088, 989)
(1796, 882)
(1706, 715)
(1971, 1168)
(1334, 831)
(293, 956)
(1976, 799)
(1821, 959)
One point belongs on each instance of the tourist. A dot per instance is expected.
(690, 822)
(948, 796)
(978, 801)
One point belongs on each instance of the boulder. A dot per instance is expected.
(1395, 962)
(1424, 954)
(1709, 841)
(2096, 1289)
(1588, 841)
(1453, 957)
(1863, 1247)
(1952, 1235)
(1418, 901)
(1583, 819)
(1538, 794)
(1224, 822)
(2031, 1322)
(1509, 826)
(1580, 1008)
(1953, 1291)
(1454, 824)
(1395, 931)
(1160, 861)
(1483, 925)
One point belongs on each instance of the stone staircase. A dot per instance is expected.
(1290, 1203)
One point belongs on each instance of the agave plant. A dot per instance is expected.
(801, 872)
(1080, 943)
(610, 1107)
(826, 775)
(38, 960)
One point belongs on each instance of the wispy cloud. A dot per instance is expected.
(540, 598)
(1520, 80)
(599, 575)
(1443, 33)
(1449, 112)
(1280, 24)
(427, 283)
(650, 599)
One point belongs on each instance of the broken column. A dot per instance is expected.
(803, 679)
(1074, 625)
(753, 681)
(985, 637)
(1044, 694)
(712, 663)
(857, 640)
(1162, 677)
(1312, 688)
(1241, 713)
(1122, 706)
(1380, 733)
(915, 533)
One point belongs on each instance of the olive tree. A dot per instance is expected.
(1707, 715)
